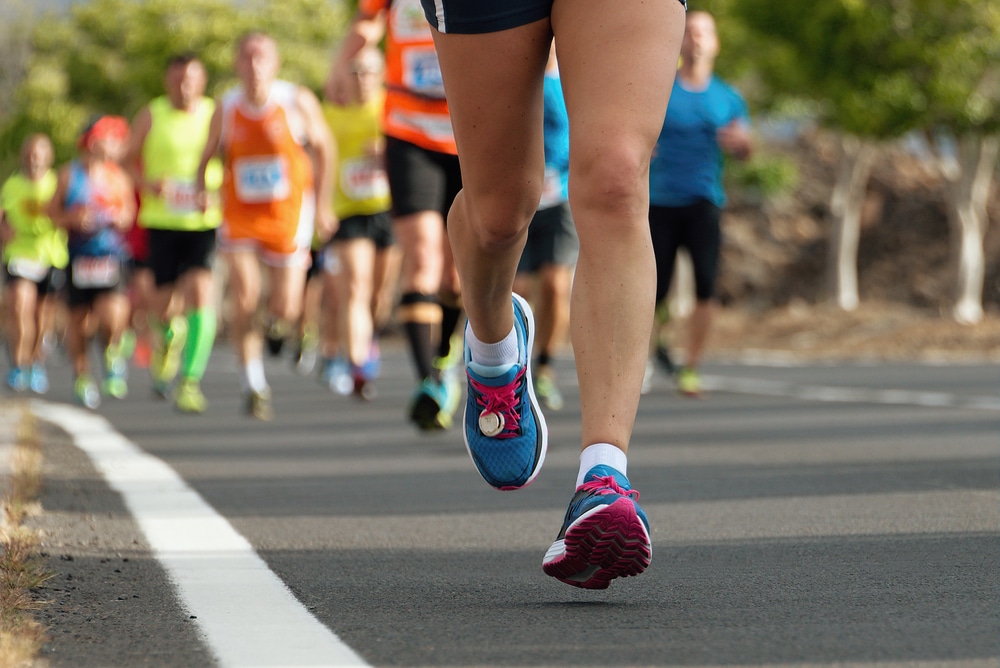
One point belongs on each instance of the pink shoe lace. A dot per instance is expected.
(607, 485)
(498, 415)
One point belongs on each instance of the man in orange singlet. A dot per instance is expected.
(274, 194)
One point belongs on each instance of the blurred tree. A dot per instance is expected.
(15, 48)
(875, 71)
(107, 56)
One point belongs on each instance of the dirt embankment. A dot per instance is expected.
(772, 281)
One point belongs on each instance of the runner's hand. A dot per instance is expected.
(326, 223)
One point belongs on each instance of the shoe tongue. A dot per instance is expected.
(604, 471)
(491, 371)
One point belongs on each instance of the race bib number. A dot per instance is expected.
(263, 179)
(552, 192)
(437, 127)
(27, 269)
(363, 178)
(408, 22)
(180, 197)
(422, 72)
(96, 272)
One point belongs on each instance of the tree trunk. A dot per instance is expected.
(857, 158)
(968, 193)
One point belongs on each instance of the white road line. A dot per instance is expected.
(848, 394)
(246, 613)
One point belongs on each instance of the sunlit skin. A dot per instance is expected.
(185, 84)
(257, 65)
(36, 157)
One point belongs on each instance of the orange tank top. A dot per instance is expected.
(415, 107)
(267, 169)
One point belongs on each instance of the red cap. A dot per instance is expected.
(105, 127)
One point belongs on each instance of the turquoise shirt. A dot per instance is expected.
(687, 163)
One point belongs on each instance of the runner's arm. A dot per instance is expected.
(73, 218)
(133, 159)
(209, 152)
(365, 30)
(325, 159)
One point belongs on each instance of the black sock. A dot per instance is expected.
(449, 321)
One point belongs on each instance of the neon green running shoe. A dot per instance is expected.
(166, 359)
(449, 368)
(115, 382)
(85, 392)
(547, 391)
(689, 382)
(189, 397)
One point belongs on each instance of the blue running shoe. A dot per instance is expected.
(505, 430)
(336, 376)
(604, 536)
(39, 379)
(18, 379)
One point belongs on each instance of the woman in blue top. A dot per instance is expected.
(706, 119)
(95, 202)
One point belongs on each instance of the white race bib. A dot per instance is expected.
(261, 179)
(363, 178)
(180, 197)
(422, 72)
(96, 272)
(31, 270)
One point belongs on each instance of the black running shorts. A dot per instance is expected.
(694, 227)
(420, 179)
(482, 16)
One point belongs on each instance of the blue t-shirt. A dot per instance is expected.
(105, 239)
(556, 188)
(687, 163)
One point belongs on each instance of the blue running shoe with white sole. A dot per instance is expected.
(604, 536)
(505, 430)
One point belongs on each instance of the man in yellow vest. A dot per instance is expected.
(168, 138)
(34, 257)
(363, 244)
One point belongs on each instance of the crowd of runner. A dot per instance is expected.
(332, 218)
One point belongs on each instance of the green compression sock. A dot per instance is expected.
(200, 339)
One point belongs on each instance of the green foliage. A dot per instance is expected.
(108, 56)
(881, 68)
(766, 175)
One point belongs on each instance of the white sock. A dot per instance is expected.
(253, 375)
(502, 353)
(601, 453)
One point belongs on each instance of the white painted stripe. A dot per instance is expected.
(246, 613)
(848, 394)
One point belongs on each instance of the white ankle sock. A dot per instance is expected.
(601, 453)
(253, 376)
(492, 354)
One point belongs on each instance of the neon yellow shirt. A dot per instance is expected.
(171, 153)
(362, 185)
(36, 239)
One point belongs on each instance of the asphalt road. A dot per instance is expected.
(840, 514)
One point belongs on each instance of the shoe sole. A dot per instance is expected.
(605, 543)
(532, 399)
